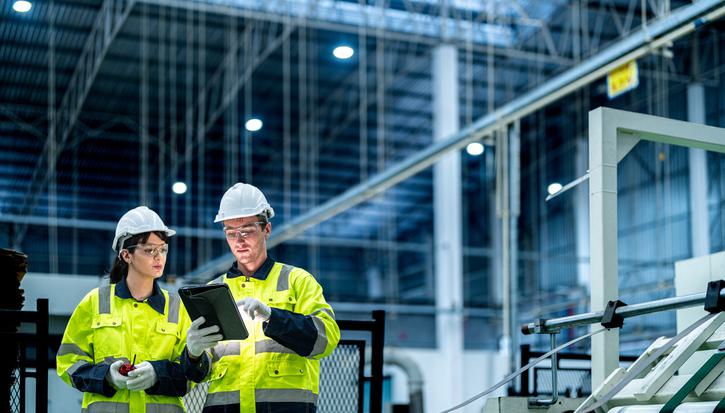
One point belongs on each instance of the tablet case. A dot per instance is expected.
(215, 303)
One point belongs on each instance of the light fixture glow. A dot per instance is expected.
(554, 188)
(343, 52)
(253, 125)
(179, 188)
(22, 6)
(475, 148)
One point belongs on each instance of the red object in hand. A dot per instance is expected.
(125, 368)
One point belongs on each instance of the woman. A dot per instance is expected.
(130, 321)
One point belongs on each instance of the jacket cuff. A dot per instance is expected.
(170, 379)
(92, 378)
(195, 370)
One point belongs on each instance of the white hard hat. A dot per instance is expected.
(243, 200)
(137, 221)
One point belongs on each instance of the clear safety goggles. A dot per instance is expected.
(243, 232)
(150, 250)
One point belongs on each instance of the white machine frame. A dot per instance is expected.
(612, 134)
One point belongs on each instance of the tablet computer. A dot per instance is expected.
(215, 303)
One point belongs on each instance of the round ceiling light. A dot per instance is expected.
(253, 125)
(179, 188)
(554, 188)
(22, 6)
(475, 148)
(343, 52)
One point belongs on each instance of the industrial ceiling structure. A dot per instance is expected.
(105, 105)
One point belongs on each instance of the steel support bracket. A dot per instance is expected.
(713, 302)
(611, 319)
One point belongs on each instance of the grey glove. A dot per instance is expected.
(142, 377)
(254, 308)
(199, 339)
(116, 379)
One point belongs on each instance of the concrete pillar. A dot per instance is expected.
(699, 217)
(447, 225)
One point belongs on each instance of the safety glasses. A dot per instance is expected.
(243, 232)
(150, 250)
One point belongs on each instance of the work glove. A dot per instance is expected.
(142, 377)
(116, 379)
(199, 339)
(254, 308)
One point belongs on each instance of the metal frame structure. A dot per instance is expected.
(376, 327)
(678, 24)
(612, 134)
(40, 340)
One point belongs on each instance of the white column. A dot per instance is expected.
(603, 238)
(699, 222)
(581, 215)
(514, 147)
(447, 225)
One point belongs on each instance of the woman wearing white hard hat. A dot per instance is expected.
(123, 342)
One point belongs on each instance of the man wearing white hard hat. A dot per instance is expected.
(291, 326)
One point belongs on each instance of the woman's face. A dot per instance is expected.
(148, 259)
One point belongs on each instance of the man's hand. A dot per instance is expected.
(199, 339)
(114, 377)
(254, 308)
(142, 377)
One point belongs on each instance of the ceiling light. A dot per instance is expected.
(475, 148)
(343, 52)
(179, 188)
(22, 6)
(554, 188)
(253, 125)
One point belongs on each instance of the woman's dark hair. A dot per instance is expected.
(119, 270)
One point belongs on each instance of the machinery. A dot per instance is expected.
(678, 374)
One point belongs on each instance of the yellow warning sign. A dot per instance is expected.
(622, 79)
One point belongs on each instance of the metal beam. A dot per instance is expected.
(110, 19)
(218, 93)
(398, 31)
(678, 24)
(348, 16)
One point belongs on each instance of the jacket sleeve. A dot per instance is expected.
(75, 356)
(311, 330)
(171, 380)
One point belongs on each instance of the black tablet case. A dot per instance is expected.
(215, 303)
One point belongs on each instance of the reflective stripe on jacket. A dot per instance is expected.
(104, 328)
(277, 367)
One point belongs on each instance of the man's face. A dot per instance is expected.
(247, 239)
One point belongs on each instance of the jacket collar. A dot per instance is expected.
(156, 300)
(261, 274)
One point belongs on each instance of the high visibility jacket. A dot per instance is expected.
(109, 325)
(277, 368)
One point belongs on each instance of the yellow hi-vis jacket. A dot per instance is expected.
(277, 367)
(109, 325)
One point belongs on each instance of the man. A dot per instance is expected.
(291, 326)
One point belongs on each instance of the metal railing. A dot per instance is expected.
(14, 353)
(556, 324)
(553, 326)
